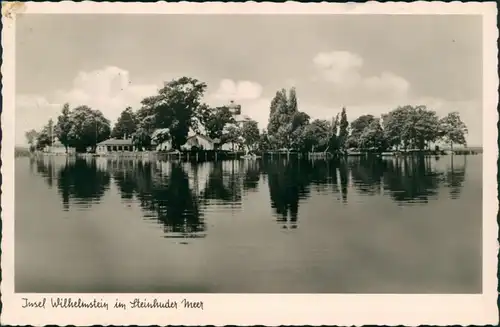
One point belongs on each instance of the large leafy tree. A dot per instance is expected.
(233, 136)
(316, 135)
(296, 127)
(141, 138)
(357, 127)
(286, 122)
(333, 139)
(250, 133)
(176, 106)
(46, 135)
(410, 126)
(278, 113)
(394, 126)
(63, 126)
(146, 122)
(31, 137)
(293, 106)
(216, 121)
(453, 129)
(264, 143)
(421, 126)
(126, 125)
(89, 127)
(372, 136)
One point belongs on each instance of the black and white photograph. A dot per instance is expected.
(250, 153)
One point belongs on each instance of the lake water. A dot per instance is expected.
(267, 226)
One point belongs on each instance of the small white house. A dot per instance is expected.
(198, 141)
(230, 146)
(236, 146)
(164, 146)
(114, 145)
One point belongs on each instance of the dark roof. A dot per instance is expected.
(116, 142)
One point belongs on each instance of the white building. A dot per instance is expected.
(114, 145)
(198, 141)
(239, 118)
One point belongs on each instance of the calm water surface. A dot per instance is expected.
(369, 226)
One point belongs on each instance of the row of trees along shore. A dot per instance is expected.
(178, 108)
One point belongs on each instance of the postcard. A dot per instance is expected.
(249, 163)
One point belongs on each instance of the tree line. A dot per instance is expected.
(178, 107)
(406, 127)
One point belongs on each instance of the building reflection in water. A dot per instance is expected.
(178, 194)
(252, 171)
(224, 183)
(164, 193)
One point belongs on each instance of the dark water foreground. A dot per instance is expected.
(408, 225)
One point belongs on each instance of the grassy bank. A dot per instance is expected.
(228, 155)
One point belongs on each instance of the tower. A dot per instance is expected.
(234, 108)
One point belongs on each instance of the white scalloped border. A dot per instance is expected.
(272, 309)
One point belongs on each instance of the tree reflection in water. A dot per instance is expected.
(46, 167)
(291, 181)
(79, 182)
(224, 184)
(252, 175)
(407, 179)
(165, 194)
(123, 174)
(411, 180)
(344, 180)
(175, 194)
(455, 175)
(288, 181)
(367, 175)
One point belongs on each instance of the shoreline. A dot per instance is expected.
(225, 155)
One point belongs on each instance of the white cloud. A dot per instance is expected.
(339, 67)
(258, 110)
(387, 83)
(32, 112)
(343, 69)
(367, 94)
(338, 60)
(248, 94)
(109, 90)
(237, 90)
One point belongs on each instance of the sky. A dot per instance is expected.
(369, 64)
